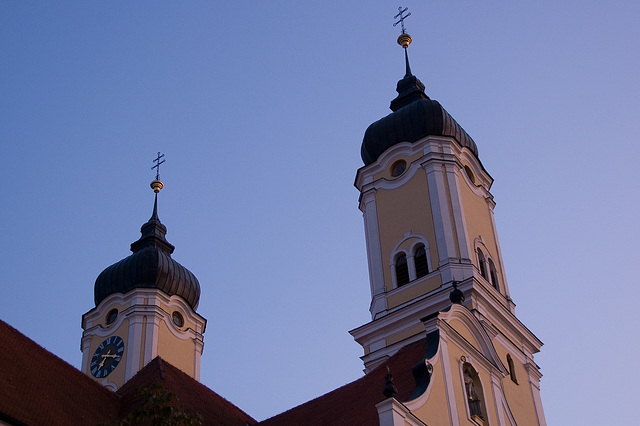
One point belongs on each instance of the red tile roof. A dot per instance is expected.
(38, 388)
(354, 403)
(190, 395)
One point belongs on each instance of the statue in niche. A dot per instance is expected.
(472, 396)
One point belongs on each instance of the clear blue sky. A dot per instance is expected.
(260, 108)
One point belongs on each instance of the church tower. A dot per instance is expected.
(145, 307)
(435, 267)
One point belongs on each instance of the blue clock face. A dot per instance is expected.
(107, 357)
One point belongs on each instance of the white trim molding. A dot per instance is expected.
(391, 412)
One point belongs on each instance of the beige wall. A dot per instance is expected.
(394, 223)
(435, 412)
(177, 352)
(479, 223)
(518, 395)
(411, 291)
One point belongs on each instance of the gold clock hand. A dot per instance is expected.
(104, 358)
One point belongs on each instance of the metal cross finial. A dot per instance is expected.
(157, 166)
(402, 17)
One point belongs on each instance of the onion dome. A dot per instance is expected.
(150, 266)
(414, 117)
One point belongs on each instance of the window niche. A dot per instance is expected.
(474, 395)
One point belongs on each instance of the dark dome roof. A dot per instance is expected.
(414, 116)
(150, 266)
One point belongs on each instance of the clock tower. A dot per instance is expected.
(145, 307)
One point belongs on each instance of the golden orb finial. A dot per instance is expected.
(404, 40)
(157, 185)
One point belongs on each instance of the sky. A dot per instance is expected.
(260, 109)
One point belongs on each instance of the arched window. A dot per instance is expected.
(512, 370)
(420, 260)
(482, 264)
(474, 393)
(402, 270)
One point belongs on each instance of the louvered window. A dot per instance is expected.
(494, 275)
(482, 264)
(402, 270)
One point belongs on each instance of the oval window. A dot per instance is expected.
(111, 316)
(177, 319)
(470, 174)
(398, 168)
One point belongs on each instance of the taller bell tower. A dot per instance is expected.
(145, 307)
(435, 267)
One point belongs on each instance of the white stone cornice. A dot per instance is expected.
(373, 335)
(494, 307)
(533, 371)
(391, 412)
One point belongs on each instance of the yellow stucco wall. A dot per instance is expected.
(177, 352)
(518, 395)
(435, 412)
(415, 217)
(478, 219)
(413, 290)
(412, 331)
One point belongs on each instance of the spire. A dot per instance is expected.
(404, 39)
(409, 88)
(153, 232)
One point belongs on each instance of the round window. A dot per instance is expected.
(111, 316)
(177, 319)
(398, 168)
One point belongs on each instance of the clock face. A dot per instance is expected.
(107, 357)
